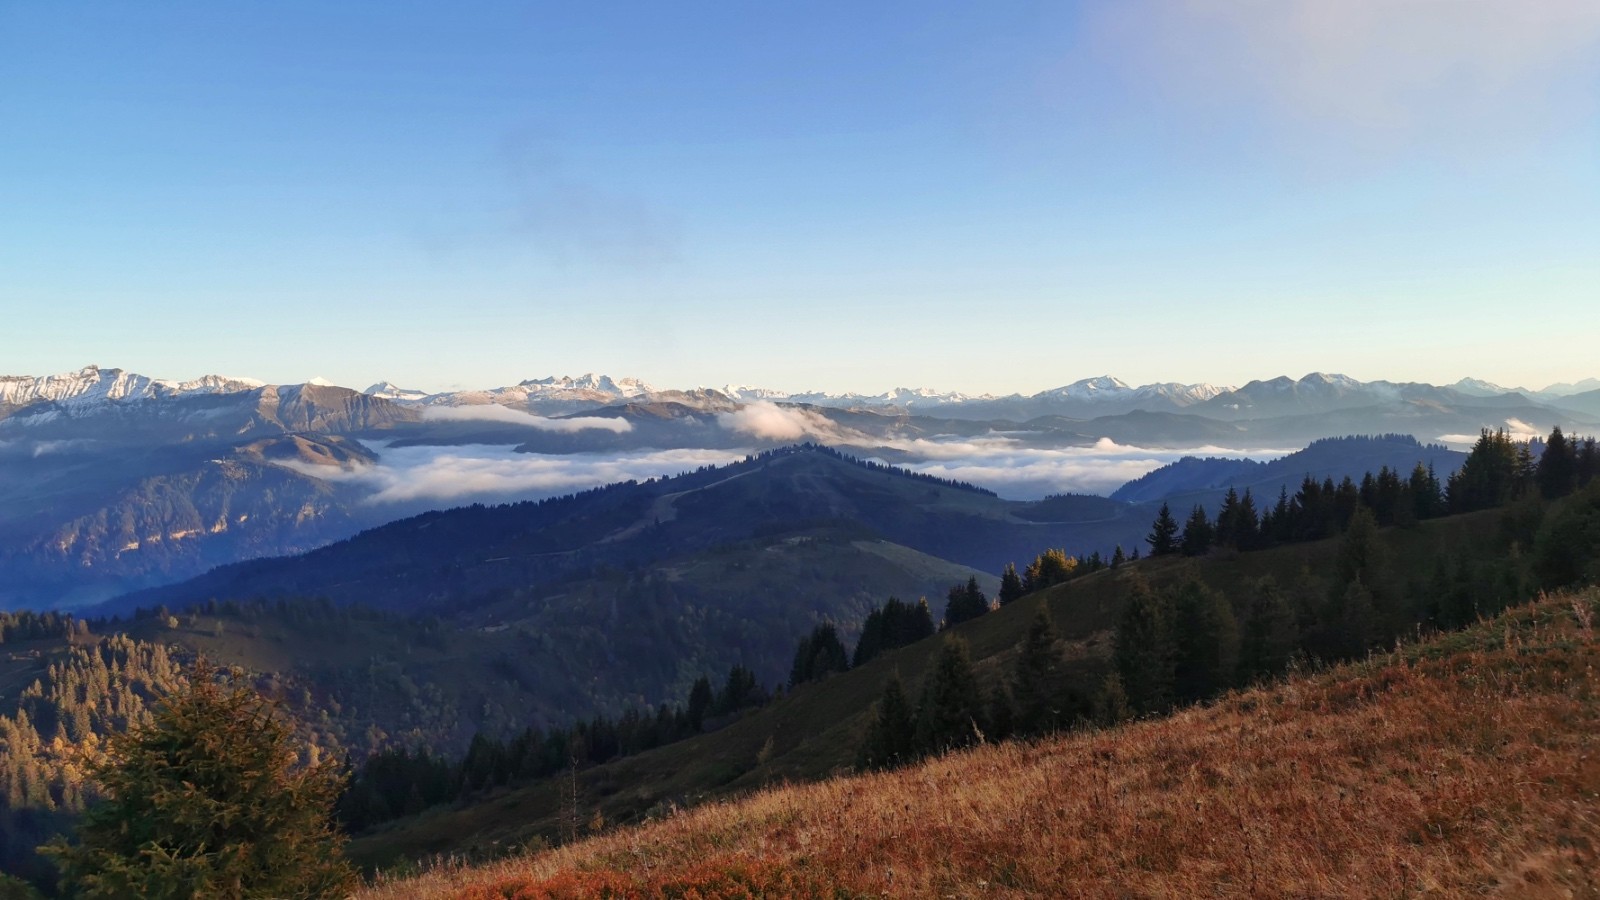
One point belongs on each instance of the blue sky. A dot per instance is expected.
(985, 197)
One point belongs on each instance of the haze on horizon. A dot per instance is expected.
(998, 199)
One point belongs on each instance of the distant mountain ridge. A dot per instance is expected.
(1085, 398)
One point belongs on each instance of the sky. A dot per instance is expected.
(994, 197)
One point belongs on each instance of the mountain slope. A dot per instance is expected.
(460, 556)
(1456, 767)
(1192, 477)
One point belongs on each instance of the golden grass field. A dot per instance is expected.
(1463, 766)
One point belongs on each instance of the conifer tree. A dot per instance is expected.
(1206, 640)
(1269, 635)
(891, 737)
(1144, 652)
(700, 699)
(1557, 466)
(966, 602)
(1118, 557)
(1163, 537)
(1039, 687)
(1197, 533)
(950, 713)
(207, 801)
(818, 654)
(1010, 585)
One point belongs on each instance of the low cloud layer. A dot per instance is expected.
(769, 421)
(416, 477)
(1028, 473)
(1516, 428)
(494, 412)
(447, 476)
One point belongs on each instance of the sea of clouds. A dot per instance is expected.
(433, 475)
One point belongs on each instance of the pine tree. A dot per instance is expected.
(950, 713)
(700, 699)
(1010, 585)
(1206, 641)
(1163, 538)
(1039, 686)
(1118, 557)
(1557, 466)
(1269, 635)
(1144, 652)
(818, 654)
(965, 603)
(891, 736)
(1197, 533)
(207, 801)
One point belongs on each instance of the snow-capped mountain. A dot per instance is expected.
(93, 384)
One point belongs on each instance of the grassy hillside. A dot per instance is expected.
(1463, 765)
(815, 730)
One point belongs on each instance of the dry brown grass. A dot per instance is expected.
(1463, 767)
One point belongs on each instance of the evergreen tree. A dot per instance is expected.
(1039, 684)
(1557, 471)
(1206, 640)
(1350, 621)
(818, 654)
(1488, 476)
(891, 737)
(1010, 585)
(1358, 549)
(1144, 651)
(1163, 538)
(207, 801)
(1197, 533)
(1118, 557)
(894, 625)
(1226, 532)
(1269, 634)
(950, 713)
(966, 602)
(700, 700)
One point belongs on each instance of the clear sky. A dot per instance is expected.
(989, 196)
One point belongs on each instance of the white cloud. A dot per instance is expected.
(1516, 428)
(445, 476)
(769, 421)
(1026, 473)
(1370, 73)
(493, 412)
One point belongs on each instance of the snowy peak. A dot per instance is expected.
(93, 384)
(388, 390)
(603, 384)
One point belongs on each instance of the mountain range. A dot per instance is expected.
(112, 482)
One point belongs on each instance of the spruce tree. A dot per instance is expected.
(965, 603)
(1010, 585)
(1269, 635)
(1197, 533)
(1163, 538)
(1039, 688)
(207, 800)
(950, 713)
(1206, 640)
(1144, 652)
(891, 736)
(1557, 466)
